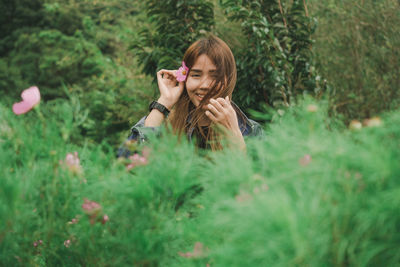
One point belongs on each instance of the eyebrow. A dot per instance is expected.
(197, 70)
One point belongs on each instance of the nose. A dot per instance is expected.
(206, 82)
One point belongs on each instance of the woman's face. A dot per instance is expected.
(201, 78)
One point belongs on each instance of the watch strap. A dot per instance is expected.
(159, 107)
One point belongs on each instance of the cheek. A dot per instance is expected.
(190, 85)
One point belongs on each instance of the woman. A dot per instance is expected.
(199, 98)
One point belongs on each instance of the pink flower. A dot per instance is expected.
(304, 161)
(67, 243)
(198, 251)
(73, 221)
(105, 219)
(30, 98)
(36, 243)
(136, 160)
(72, 162)
(91, 207)
(182, 73)
(243, 197)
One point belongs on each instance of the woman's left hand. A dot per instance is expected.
(220, 111)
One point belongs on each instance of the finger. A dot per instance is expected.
(181, 86)
(217, 105)
(159, 81)
(213, 110)
(169, 72)
(223, 102)
(211, 116)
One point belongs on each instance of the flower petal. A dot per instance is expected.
(30, 97)
(21, 107)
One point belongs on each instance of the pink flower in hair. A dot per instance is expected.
(182, 73)
(30, 98)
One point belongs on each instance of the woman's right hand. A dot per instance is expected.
(169, 87)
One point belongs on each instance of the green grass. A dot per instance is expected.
(311, 193)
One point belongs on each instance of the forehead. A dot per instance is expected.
(203, 63)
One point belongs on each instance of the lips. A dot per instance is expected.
(200, 96)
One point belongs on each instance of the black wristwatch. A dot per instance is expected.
(159, 107)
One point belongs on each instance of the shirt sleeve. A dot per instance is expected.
(139, 134)
(256, 129)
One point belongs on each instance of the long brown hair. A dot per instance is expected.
(185, 116)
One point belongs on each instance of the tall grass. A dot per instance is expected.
(310, 193)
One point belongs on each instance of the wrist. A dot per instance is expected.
(237, 133)
(160, 107)
(165, 103)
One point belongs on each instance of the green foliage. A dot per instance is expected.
(311, 193)
(49, 58)
(358, 51)
(275, 63)
(176, 25)
(82, 46)
(18, 16)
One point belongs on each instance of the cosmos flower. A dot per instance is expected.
(198, 251)
(105, 219)
(90, 207)
(36, 243)
(305, 160)
(136, 160)
(30, 98)
(182, 72)
(72, 162)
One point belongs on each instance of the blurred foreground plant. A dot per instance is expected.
(311, 193)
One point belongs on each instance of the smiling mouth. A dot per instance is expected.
(200, 96)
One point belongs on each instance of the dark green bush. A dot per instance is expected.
(175, 25)
(275, 63)
(49, 58)
(81, 46)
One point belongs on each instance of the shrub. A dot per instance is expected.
(275, 63)
(82, 46)
(49, 58)
(175, 25)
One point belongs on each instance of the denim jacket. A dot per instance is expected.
(139, 132)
